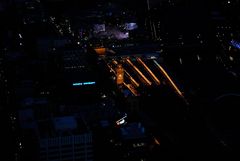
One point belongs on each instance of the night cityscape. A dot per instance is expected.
(119, 80)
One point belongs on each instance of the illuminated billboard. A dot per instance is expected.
(99, 28)
(83, 83)
(130, 26)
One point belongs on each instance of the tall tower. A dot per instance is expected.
(120, 74)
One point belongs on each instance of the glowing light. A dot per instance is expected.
(130, 26)
(139, 72)
(198, 58)
(20, 36)
(235, 43)
(77, 84)
(100, 51)
(149, 71)
(83, 83)
(180, 60)
(169, 79)
(104, 96)
(156, 141)
(122, 120)
(89, 83)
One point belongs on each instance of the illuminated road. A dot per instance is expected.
(140, 72)
(130, 87)
(169, 79)
(156, 80)
(147, 82)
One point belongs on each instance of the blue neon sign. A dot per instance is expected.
(83, 83)
(89, 83)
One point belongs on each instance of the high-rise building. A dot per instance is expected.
(58, 138)
(67, 148)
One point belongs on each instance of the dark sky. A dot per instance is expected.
(134, 3)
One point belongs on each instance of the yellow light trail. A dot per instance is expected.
(136, 84)
(149, 71)
(111, 69)
(129, 86)
(168, 78)
(156, 141)
(115, 62)
(139, 72)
